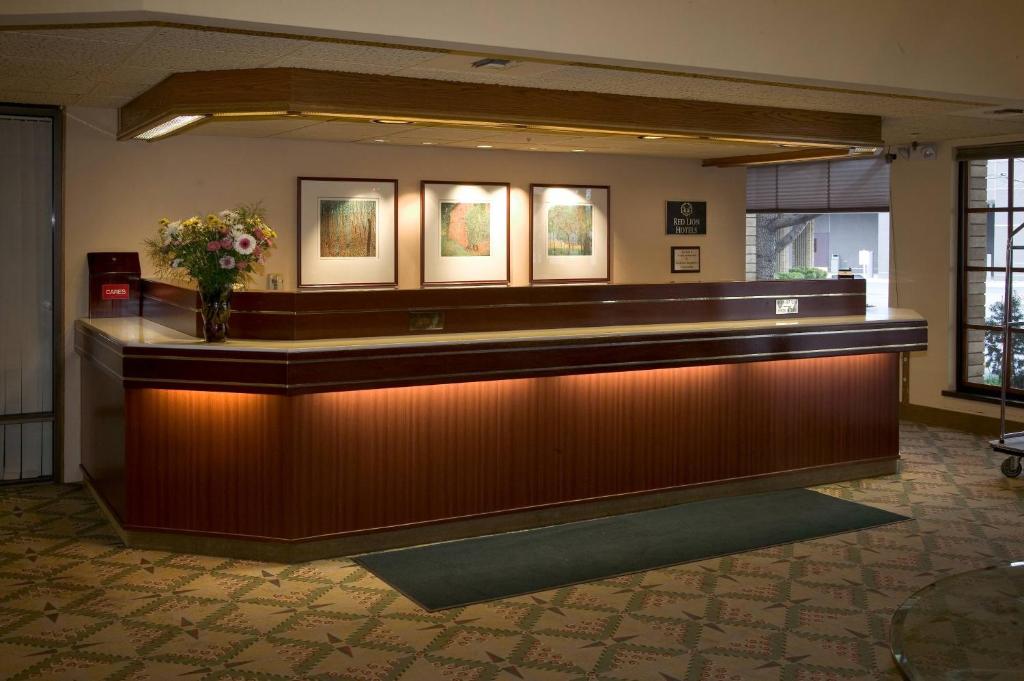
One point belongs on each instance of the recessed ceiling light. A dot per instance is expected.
(426, 143)
(380, 140)
(579, 150)
(652, 137)
(391, 121)
(484, 146)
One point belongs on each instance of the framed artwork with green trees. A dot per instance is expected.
(348, 232)
(570, 233)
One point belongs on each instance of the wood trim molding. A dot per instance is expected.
(978, 424)
(316, 314)
(287, 371)
(291, 91)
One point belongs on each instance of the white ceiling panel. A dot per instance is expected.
(190, 50)
(255, 128)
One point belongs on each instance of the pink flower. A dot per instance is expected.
(213, 246)
(245, 244)
(227, 263)
(226, 242)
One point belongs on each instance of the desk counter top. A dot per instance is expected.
(146, 354)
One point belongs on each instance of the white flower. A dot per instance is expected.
(227, 262)
(173, 228)
(229, 216)
(237, 230)
(245, 244)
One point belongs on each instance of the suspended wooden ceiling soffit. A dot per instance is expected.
(256, 93)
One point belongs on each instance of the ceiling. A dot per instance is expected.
(107, 66)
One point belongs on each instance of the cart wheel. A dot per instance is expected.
(1011, 466)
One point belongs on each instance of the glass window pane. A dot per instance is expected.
(987, 183)
(1018, 182)
(984, 358)
(817, 246)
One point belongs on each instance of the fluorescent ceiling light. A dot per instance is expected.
(167, 127)
(652, 137)
(484, 146)
(391, 121)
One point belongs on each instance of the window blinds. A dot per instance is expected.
(853, 185)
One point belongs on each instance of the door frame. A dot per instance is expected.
(56, 116)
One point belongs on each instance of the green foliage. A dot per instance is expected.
(994, 344)
(802, 273)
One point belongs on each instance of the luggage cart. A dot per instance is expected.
(1011, 444)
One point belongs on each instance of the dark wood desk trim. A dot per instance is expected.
(293, 371)
(311, 315)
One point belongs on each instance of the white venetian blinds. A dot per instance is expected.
(848, 185)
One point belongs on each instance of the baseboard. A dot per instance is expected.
(977, 424)
(306, 550)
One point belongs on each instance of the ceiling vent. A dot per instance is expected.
(493, 64)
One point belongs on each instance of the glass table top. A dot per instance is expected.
(967, 626)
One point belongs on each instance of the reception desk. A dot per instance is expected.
(349, 421)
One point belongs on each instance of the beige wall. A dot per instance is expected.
(116, 192)
(924, 206)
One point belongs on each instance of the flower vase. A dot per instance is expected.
(216, 308)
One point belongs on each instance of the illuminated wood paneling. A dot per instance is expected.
(379, 96)
(333, 463)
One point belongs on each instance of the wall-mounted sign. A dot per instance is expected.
(687, 217)
(787, 305)
(114, 292)
(685, 259)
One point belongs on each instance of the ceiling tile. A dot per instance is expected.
(359, 58)
(336, 131)
(254, 128)
(77, 54)
(191, 50)
(123, 35)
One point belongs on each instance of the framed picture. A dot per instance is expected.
(465, 233)
(570, 233)
(348, 232)
(685, 259)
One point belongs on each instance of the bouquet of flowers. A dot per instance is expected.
(217, 253)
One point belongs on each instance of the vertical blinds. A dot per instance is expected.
(860, 184)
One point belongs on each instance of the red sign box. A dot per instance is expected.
(114, 292)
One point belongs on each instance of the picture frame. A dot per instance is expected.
(570, 233)
(347, 232)
(685, 259)
(464, 233)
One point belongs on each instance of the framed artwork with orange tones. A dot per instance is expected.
(348, 232)
(464, 233)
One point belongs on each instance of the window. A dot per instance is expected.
(810, 220)
(991, 205)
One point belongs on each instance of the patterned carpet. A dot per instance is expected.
(75, 604)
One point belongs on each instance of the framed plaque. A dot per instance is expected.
(570, 233)
(685, 259)
(348, 232)
(464, 233)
